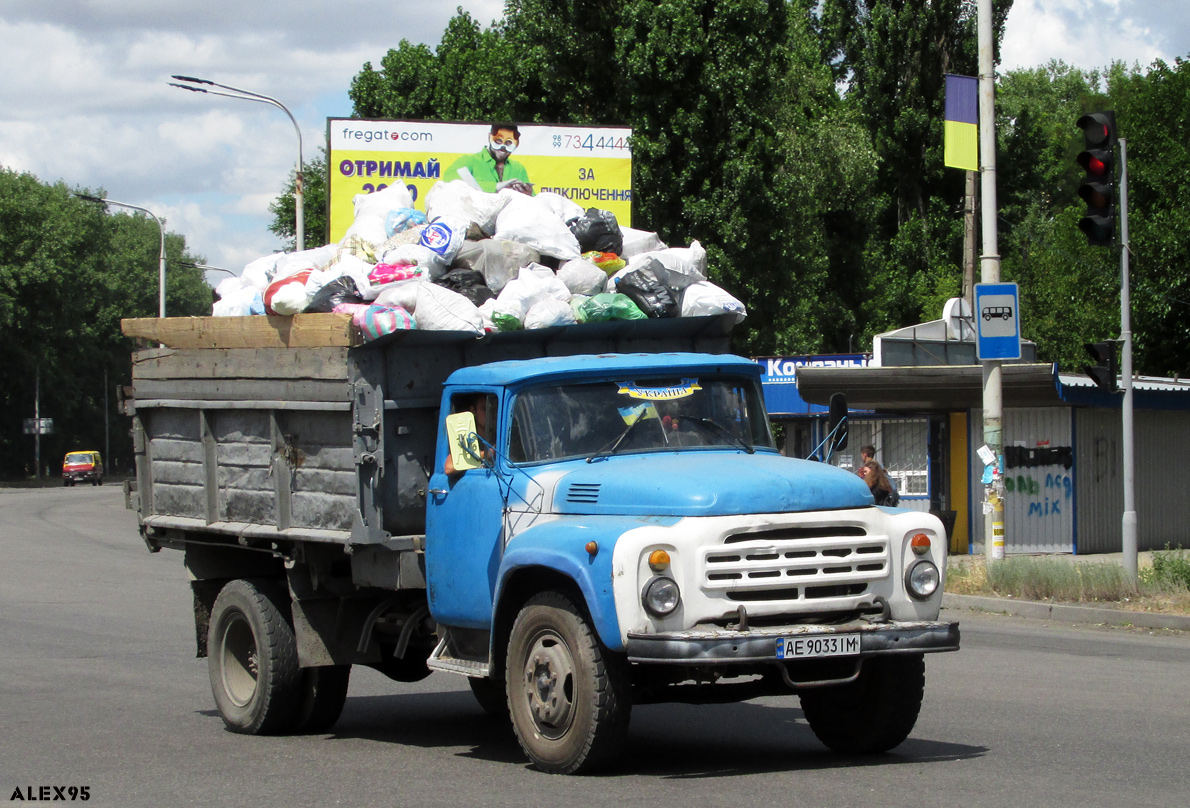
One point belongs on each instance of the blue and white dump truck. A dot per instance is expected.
(617, 527)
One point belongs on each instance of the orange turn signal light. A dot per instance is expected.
(592, 548)
(658, 560)
(920, 544)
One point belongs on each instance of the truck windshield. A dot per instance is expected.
(557, 422)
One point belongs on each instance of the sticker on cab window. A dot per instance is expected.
(686, 388)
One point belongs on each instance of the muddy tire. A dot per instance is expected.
(872, 714)
(324, 692)
(252, 659)
(569, 698)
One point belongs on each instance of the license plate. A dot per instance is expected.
(813, 647)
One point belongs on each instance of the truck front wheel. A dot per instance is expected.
(872, 714)
(568, 696)
(252, 660)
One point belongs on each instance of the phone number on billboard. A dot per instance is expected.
(590, 142)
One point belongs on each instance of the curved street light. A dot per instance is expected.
(161, 255)
(206, 267)
(247, 95)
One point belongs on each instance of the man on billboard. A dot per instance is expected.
(492, 167)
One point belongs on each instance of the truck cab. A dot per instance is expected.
(643, 499)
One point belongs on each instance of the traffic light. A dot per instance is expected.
(1106, 370)
(1098, 186)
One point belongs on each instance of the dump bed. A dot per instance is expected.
(270, 429)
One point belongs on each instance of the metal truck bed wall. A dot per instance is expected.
(331, 444)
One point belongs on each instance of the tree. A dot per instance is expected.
(314, 206)
(892, 57)
(68, 273)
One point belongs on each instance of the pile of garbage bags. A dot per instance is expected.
(480, 262)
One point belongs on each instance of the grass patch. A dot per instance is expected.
(1162, 587)
(1171, 569)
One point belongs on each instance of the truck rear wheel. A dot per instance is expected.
(252, 659)
(872, 714)
(568, 696)
(324, 692)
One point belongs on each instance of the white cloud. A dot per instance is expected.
(1093, 33)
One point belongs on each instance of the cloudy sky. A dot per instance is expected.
(86, 99)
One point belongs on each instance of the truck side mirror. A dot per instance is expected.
(836, 423)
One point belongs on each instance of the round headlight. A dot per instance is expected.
(922, 580)
(661, 596)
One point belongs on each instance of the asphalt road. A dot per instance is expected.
(99, 688)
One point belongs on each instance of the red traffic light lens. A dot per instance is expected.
(1096, 166)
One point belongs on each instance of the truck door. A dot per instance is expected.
(464, 520)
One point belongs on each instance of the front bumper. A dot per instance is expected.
(724, 646)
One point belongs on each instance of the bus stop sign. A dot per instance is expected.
(997, 321)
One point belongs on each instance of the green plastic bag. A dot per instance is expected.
(609, 306)
(506, 322)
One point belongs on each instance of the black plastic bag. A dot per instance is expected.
(469, 283)
(656, 290)
(598, 230)
(341, 290)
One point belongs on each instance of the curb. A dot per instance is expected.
(1093, 615)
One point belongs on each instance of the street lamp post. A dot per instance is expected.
(206, 267)
(246, 95)
(161, 255)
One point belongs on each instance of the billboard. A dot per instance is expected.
(591, 165)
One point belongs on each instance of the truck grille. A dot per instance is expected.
(802, 563)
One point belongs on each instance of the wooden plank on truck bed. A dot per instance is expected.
(259, 331)
(325, 364)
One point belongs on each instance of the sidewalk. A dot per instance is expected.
(1066, 613)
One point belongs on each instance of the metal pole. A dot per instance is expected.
(1128, 523)
(299, 213)
(107, 443)
(160, 254)
(993, 401)
(37, 423)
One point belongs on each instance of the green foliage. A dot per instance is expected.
(314, 206)
(801, 142)
(69, 272)
(1170, 570)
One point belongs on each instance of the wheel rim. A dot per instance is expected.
(548, 682)
(239, 665)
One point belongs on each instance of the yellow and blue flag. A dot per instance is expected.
(961, 148)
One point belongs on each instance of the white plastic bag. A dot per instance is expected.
(440, 309)
(639, 241)
(416, 255)
(371, 211)
(260, 272)
(444, 237)
(705, 298)
(563, 208)
(498, 259)
(582, 277)
(457, 199)
(533, 284)
(317, 258)
(236, 300)
(533, 222)
(549, 312)
(677, 259)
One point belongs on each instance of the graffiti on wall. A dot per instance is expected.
(1050, 492)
